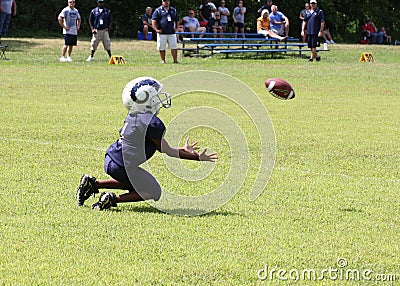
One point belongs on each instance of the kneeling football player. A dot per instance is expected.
(140, 137)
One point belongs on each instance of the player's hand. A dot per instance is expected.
(203, 156)
(190, 148)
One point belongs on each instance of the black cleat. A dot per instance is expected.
(106, 201)
(87, 188)
(318, 58)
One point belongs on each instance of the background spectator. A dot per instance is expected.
(206, 10)
(145, 23)
(70, 20)
(279, 22)
(100, 20)
(179, 28)
(326, 34)
(266, 6)
(386, 36)
(224, 12)
(238, 18)
(264, 28)
(214, 25)
(314, 23)
(6, 7)
(192, 24)
(302, 15)
(165, 19)
(372, 33)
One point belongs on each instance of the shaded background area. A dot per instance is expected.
(345, 17)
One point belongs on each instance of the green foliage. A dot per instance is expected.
(39, 18)
(334, 191)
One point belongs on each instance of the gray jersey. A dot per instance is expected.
(70, 16)
(6, 6)
(239, 16)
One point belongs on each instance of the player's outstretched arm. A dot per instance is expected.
(188, 151)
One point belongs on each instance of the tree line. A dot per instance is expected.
(38, 18)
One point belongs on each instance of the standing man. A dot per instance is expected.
(145, 23)
(100, 20)
(70, 20)
(165, 21)
(224, 15)
(6, 6)
(266, 6)
(206, 10)
(302, 14)
(238, 18)
(314, 22)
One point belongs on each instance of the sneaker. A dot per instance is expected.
(106, 201)
(68, 59)
(87, 188)
(318, 58)
(327, 42)
(333, 42)
(63, 59)
(89, 59)
(310, 60)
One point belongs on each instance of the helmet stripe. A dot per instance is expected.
(143, 83)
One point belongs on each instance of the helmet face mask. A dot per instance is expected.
(158, 101)
(143, 95)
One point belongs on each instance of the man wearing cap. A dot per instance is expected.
(314, 23)
(165, 21)
(100, 20)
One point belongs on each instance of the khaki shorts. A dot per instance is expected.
(103, 36)
(162, 41)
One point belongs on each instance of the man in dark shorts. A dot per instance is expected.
(70, 20)
(238, 18)
(314, 23)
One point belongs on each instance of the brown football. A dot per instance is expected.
(279, 88)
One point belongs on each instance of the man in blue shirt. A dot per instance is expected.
(314, 23)
(192, 24)
(145, 25)
(165, 20)
(7, 8)
(279, 22)
(100, 20)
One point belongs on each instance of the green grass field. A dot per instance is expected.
(330, 209)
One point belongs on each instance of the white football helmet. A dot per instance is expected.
(143, 94)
